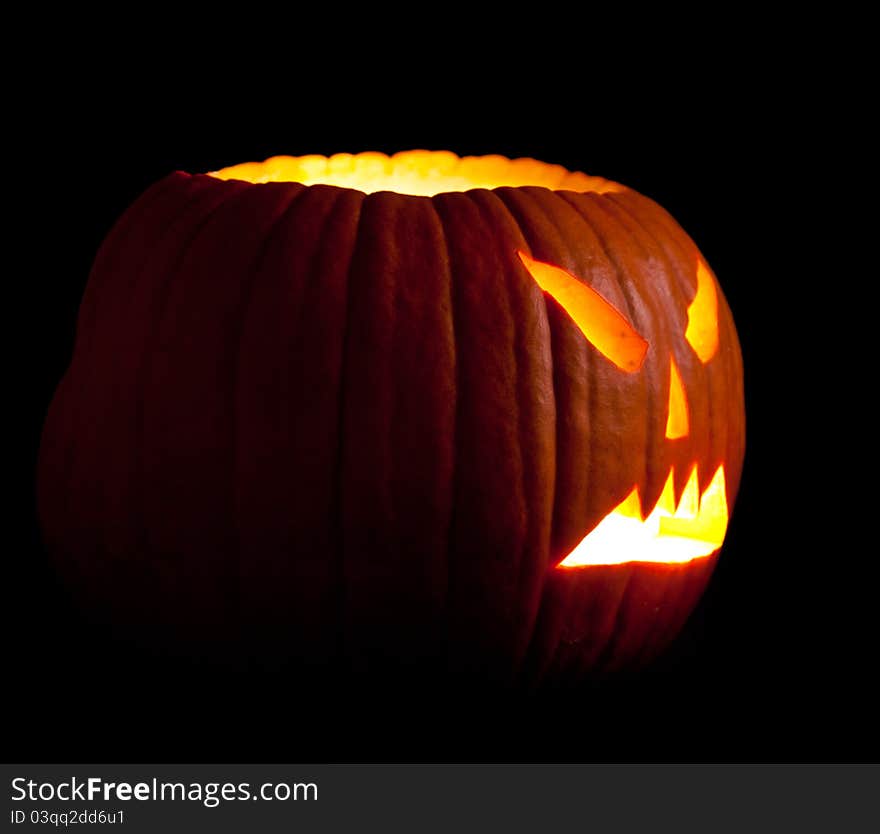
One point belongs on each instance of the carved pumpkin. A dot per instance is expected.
(503, 427)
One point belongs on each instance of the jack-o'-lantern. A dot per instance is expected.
(476, 409)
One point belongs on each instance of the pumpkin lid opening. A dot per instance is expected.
(423, 173)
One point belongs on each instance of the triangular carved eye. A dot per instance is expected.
(599, 320)
(702, 326)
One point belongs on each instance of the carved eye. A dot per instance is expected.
(600, 322)
(702, 328)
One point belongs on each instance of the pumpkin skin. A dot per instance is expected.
(305, 421)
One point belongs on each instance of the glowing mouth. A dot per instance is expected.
(671, 534)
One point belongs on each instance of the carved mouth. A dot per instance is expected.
(673, 534)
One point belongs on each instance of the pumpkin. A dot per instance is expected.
(478, 412)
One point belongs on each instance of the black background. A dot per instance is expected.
(776, 663)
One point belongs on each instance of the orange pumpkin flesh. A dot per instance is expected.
(350, 425)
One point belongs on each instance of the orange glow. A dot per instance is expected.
(422, 173)
(677, 417)
(670, 534)
(702, 328)
(606, 329)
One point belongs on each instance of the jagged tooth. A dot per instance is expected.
(631, 506)
(713, 503)
(666, 502)
(689, 502)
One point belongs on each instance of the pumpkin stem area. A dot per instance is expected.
(422, 173)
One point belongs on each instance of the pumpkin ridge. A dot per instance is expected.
(453, 475)
(214, 201)
(287, 403)
(691, 589)
(534, 197)
(476, 198)
(245, 308)
(622, 278)
(490, 507)
(337, 547)
(665, 587)
(660, 232)
(604, 414)
(607, 654)
(188, 435)
(715, 448)
(337, 536)
(530, 578)
(521, 202)
(516, 202)
(586, 205)
(657, 450)
(700, 432)
(718, 373)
